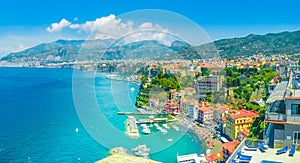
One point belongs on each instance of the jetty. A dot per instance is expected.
(132, 128)
(154, 120)
(137, 113)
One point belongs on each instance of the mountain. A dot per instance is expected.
(269, 44)
(68, 50)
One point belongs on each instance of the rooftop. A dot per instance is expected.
(230, 146)
(243, 113)
(125, 158)
(270, 155)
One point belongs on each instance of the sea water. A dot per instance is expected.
(39, 122)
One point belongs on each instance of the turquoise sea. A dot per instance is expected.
(38, 119)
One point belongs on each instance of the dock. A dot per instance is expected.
(131, 127)
(137, 113)
(154, 120)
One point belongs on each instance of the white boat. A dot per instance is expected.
(166, 126)
(170, 140)
(132, 89)
(144, 125)
(164, 131)
(176, 128)
(146, 131)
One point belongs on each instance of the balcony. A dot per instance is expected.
(276, 117)
(293, 118)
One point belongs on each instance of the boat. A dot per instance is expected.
(166, 126)
(141, 151)
(146, 131)
(163, 131)
(132, 89)
(176, 128)
(170, 140)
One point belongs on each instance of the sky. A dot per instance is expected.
(24, 24)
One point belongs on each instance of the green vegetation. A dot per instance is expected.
(246, 86)
(160, 80)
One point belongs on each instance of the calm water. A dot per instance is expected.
(38, 119)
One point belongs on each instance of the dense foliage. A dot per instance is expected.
(249, 85)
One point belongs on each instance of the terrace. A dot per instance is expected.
(269, 155)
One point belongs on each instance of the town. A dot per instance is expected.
(237, 106)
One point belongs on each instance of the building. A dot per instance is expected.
(153, 102)
(190, 108)
(236, 120)
(219, 116)
(172, 108)
(283, 113)
(206, 84)
(188, 92)
(228, 148)
(125, 158)
(205, 113)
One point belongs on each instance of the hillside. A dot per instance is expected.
(269, 44)
(68, 50)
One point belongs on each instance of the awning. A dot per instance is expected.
(278, 93)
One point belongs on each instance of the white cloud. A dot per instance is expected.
(57, 27)
(146, 25)
(112, 27)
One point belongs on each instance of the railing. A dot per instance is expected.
(293, 118)
(275, 116)
(240, 147)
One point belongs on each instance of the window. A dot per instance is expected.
(296, 137)
(295, 109)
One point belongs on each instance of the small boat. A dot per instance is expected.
(176, 128)
(132, 89)
(166, 126)
(146, 131)
(170, 140)
(164, 131)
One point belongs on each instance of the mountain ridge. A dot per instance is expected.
(66, 50)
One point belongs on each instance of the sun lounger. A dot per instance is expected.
(292, 150)
(240, 155)
(262, 147)
(251, 148)
(244, 160)
(282, 150)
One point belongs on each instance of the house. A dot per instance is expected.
(236, 120)
(205, 113)
(172, 108)
(153, 102)
(190, 108)
(283, 113)
(228, 148)
(219, 116)
(204, 84)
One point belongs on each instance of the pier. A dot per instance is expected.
(154, 120)
(138, 113)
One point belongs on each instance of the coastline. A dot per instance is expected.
(203, 135)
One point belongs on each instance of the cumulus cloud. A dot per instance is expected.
(57, 27)
(112, 27)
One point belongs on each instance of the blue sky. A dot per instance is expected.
(24, 23)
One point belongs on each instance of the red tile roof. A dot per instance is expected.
(243, 113)
(214, 157)
(230, 146)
